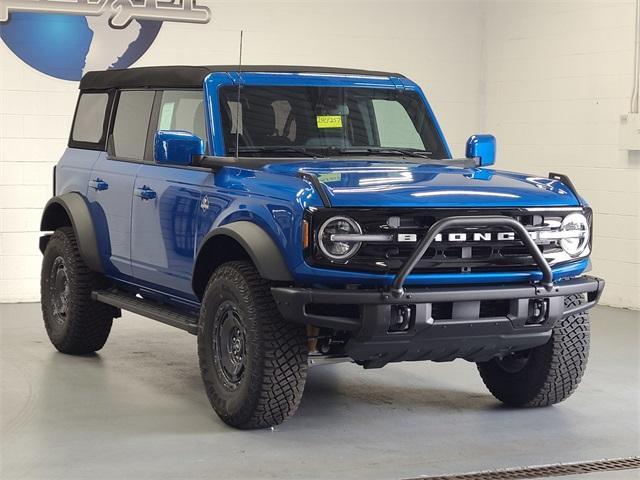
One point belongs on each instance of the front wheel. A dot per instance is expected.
(253, 363)
(547, 374)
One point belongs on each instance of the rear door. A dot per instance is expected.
(164, 224)
(112, 179)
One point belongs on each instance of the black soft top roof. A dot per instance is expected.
(184, 76)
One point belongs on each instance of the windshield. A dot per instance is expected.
(327, 121)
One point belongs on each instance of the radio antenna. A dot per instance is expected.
(238, 99)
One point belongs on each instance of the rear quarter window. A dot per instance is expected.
(90, 122)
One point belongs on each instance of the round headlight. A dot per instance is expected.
(338, 250)
(575, 230)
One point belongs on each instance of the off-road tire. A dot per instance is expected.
(552, 371)
(269, 387)
(85, 325)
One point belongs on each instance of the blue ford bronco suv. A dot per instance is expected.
(290, 216)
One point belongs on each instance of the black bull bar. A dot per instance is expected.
(464, 331)
(397, 287)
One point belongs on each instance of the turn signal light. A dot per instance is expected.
(305, 234)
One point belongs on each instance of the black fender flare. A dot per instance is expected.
(258, 244)
(77, 211)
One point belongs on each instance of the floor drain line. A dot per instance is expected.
(556, 470)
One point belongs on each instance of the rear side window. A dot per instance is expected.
(131, 125)
(90, 120)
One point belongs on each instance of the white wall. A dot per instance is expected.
(549, 78)
(435, 43)
(558, 75)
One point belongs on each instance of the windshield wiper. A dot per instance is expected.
(409, 152)
(382, 151)
(274, 149)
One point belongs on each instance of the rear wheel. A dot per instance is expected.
(75, 323)
(544, 375)
(253, 362)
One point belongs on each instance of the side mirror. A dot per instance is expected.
(176, 147)
(482, 147)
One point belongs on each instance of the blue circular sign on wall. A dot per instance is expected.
(67, 46)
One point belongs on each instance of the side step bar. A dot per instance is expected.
(148, 308)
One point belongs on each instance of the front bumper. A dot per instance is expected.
(466, 324)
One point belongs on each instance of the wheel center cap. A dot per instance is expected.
(230, 344)
(237, 347)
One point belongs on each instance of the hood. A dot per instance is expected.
(370, 183)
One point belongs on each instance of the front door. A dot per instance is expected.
(167, 202)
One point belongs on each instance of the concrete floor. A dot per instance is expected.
(138, 410)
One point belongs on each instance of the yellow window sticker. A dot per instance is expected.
(329, 121)
(330, 177)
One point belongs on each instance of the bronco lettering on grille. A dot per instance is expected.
(478, 237)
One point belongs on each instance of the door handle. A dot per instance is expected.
(98, 184)
(145, 193)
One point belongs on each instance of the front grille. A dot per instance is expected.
(443, 256)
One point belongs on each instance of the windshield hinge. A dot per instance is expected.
(397, 82)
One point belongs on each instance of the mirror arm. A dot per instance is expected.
(462, 162)
(213, 163)
(216, 163)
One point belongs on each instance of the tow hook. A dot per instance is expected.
(401, 317)
(538, 311)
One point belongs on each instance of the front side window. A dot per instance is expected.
(394, 124)
(183, 110)
(131, 125)
(326, 121)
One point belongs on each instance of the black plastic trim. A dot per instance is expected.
(567, 181)
(318, 186)
(260, 247)
(152, 128)
(439, 324)
(148, 308)
(292, 301)
(77, 209)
